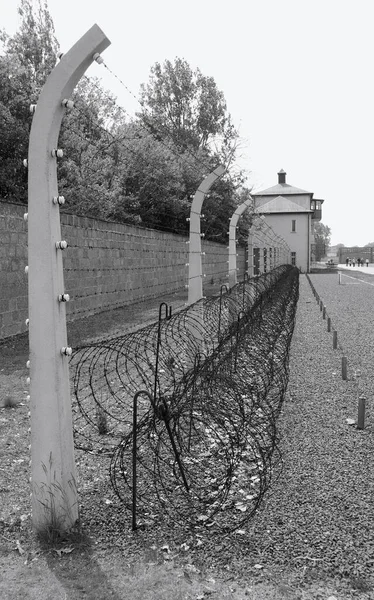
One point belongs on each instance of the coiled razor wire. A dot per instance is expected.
(187, 407)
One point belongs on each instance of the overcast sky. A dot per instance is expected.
(297, 76)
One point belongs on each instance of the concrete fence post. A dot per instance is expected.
(53, 474)
(232, 240)
(195, 270)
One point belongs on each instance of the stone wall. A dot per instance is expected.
(106, 265)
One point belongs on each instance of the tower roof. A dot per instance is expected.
(281, 188)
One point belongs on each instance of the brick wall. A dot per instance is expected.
(106, 265)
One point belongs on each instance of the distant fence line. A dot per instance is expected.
(106, 265)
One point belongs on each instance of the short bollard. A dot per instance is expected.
(344, 368)
(361, 412)
(321, 305)
(335, 340)
(324, 313)
(340, 277)
(328, 324)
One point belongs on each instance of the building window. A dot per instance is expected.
(293, 226)
(293, 259)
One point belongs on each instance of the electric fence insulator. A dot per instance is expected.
(25, 216)
(188, 219)
(27, 322)
(62, 245)
(63, 298)
(67, 103)
(60, 55)
(58, 200)
(32, 108)
(25, 163)
(28, 364)
(57, 153)
(98, 58)
(27, 269)
(66, 351)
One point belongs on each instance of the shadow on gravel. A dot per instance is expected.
(80, 574)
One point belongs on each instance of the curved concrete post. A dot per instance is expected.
(53, 475)
(250, 253)
(195, 272)
(232, 240)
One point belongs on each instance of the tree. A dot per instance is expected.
(27, 59)
(322, 237)
(185, 106)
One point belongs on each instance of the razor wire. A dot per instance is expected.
(187, 407)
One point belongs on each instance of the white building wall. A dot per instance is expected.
(298, 241)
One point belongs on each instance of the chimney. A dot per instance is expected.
(282, 176)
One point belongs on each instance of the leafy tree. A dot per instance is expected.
(322, 237)
(27, 59)
(185, 106)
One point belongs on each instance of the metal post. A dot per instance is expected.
(195, 271)
(250, 254)
(361, 412)
(53, 475)
(344, 368)
(232, 240)
(335, 339)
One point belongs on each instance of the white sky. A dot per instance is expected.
(296, 75)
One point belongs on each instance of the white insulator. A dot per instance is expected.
(28, 397)
(25, 162)
(67, 103)
(60, 55)
(187, 264)
(202, 216)
(202, 253)
(28, 380)
(188, 219)
(57, 153)
(32, 108)
(188, 242)
(27, 269)
(27, 322)
(58, 200)
(25, 216)
(99, 59)
(202, 235)
(66, 351)
(63, 298)
(28, 364)
(62, 245)
(186, 285)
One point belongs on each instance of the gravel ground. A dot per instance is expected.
(313, 534)
(317, 520)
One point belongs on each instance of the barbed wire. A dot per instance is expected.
(197, 394)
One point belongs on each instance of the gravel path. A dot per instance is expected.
(317, 520)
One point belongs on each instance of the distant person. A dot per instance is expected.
(367, 262)
(358, 262)
(350, 262)
(353, 262)
(347, 261)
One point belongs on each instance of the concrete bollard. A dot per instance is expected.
(340, 277)
(320, 305)
(344, 368)
(335, 340)
(361, 412)
(324, 313)
(328, 324)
